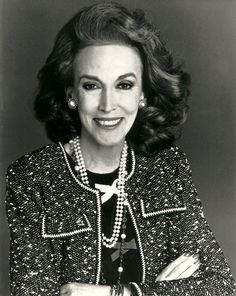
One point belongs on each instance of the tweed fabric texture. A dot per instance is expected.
(55, 226)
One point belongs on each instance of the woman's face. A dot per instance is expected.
(108, 88)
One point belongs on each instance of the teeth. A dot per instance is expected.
(108, 122)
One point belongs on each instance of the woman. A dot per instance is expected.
(110, 207)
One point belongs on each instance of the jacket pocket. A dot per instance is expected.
(64, 225)
(154, 206)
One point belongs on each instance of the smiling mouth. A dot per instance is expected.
(108, 123)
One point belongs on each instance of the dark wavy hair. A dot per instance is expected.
(165, 84)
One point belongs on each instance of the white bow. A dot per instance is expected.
(108, 190)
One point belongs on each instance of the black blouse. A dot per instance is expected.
(111, 256)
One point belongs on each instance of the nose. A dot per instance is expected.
(107, 101)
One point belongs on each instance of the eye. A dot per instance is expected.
(90, 86)
(125, 85)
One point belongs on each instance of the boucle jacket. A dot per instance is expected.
(55, 226)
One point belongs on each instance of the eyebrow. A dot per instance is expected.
(99, 80)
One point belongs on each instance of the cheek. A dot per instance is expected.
(85, 110)
(131, 105)
(87, 104)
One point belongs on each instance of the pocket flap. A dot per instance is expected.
(64, 226)
(165, 205)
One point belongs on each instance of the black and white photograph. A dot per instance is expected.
(118, 145)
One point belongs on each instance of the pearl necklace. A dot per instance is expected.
(109, 242)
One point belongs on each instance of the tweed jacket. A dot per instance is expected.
(55, 226)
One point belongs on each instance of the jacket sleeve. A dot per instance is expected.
(214, 277)
(32, 264)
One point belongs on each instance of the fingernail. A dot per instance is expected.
(195, 256)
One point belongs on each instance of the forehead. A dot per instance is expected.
(108, 60)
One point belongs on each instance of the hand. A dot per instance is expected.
(182, 267)
(80, 289)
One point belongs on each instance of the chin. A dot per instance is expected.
(110, 141)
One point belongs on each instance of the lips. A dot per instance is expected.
(108, 122)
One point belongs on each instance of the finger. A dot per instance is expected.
(167, 270)
(172, 265)
(64, 289)
(196, 273)
(181, 268)
(175, 268)
(190, 271)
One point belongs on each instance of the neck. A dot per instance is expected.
(100, 159)
(97, 158)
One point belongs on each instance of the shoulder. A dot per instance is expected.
(34, 161)
(168, 157)
(168, 164)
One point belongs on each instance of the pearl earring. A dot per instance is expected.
(141, 104)
(72, 104)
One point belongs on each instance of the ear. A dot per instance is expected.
(70, 93)
(143, 98)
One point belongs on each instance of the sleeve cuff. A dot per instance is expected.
(135, 289)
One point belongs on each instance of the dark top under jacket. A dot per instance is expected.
(111, 256)
(55, 226)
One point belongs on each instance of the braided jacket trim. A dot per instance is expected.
(40, 185)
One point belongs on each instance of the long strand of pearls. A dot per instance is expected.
(110, 242)
(121, 199)
(80, 165)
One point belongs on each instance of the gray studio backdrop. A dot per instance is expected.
(202, 33)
